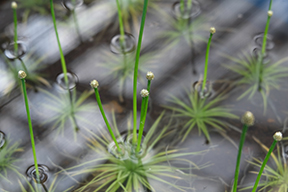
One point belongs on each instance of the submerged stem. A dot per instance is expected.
(30, 128)
(136, 71)
(105, 118)
(206, 63)
(245, 127)
(121, 26)
(263, 165)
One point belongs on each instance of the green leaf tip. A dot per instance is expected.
(277, 136)
(94, 84)
(21, 74)
(248, 118)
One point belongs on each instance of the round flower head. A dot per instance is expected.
(248, 118)
(14, 5)
(144, 93)
(270, 13)
(150, 75)
(94, 84)
(212, 30)
(277, 136)
(21, 74)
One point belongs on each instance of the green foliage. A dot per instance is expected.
(65, 111)
(192, 32)
(271, 75)
(276, 177)
(7, 159)
(200, 113)
(130, 171)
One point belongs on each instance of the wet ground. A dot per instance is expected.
(176, 67)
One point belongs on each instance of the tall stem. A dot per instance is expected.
(263, 165)
(136, 71)
(266, 30)
(15, 33)
(206, 64)
(121, 26)
(182, 6)
(105, 118)
(245, 127)
(63, 63)
(30, 128)
(144, 109)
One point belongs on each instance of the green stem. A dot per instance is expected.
(15, 33)
(182, 6)
(245, 127)
(30, 128)
(189, 4)
(265, 36)
(105, 118)
(206, 64)
(136, 71)
(263, 165)
(63, 63)
(121, 26)
(76, 24)
(24, 66)
(144, 109)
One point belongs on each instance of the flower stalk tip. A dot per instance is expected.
(22, 74)
(248, 118)
(144, 93)
(270, 13)
(94, 84)
(212, 30)
(14, 5)
(149, 76)
(277, 136)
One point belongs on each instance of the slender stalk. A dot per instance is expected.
(105, 118)
(29, 123)
(189, 4)
(263, 165)
(121, 26)
(182, 6)
(63, 63)
(206, 60)
(245, 127)
(23, 65)
(136, 71)
(266, 30)
(15, 32)
(144, 109)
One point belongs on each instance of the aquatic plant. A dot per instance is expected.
(63, 111)
(22, 76)
(246, 66)
(7, 159)
(276, 177)
(199, 112)
(247, 120)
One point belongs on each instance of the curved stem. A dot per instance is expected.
(245, 127)
(105, 118)
(136, 71)
(206, 63)
(30, 129)
(263, 165)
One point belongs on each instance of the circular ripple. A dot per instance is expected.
(112, 148)
(188, 12)
(129, 44)
(72, 80)
(72, 4)
(208, 91)
(259, 41)
(2, 139)
(10, 50)
(43, 169)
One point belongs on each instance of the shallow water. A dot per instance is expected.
(176, 68)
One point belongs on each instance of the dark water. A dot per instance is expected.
(176, 67)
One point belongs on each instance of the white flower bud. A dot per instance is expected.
(21, 74)
(144, 93)
(248, 118)
(212, 30)
(150, 75)
(270, 13)
(14, 5)
(277, 136)
(94, 84)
